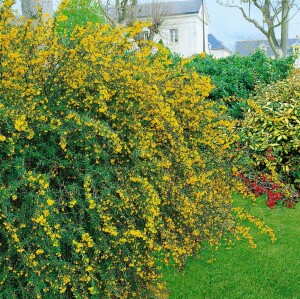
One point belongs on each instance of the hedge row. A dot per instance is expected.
(112, 162)
(235, 78)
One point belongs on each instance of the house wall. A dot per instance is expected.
(190, 34)
(297, 63)
(219, 53)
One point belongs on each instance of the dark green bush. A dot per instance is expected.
(235, 77)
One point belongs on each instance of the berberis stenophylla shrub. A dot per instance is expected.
(101, 172)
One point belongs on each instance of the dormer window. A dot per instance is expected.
(174, 35)
(145, 34)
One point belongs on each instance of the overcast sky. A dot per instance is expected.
(228, 25)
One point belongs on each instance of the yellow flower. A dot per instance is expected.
(39, 251)
(50, 202)
(92, 204)
(72, 203)
(21, 123)
(61, 18)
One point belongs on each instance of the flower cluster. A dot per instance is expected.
(276, 193)
(111, 158)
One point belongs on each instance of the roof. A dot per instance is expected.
(215, 44)
(246, 47)
(171, 8)
(164, 8)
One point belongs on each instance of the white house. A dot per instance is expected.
(296, 51)
(183, 25)
(216, 47)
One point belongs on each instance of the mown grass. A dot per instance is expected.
(272, 270)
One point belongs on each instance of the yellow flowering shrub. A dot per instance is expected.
(111, 160)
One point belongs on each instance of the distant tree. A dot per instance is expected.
(126, 12)
(30, 8)
(78, 13)
(154, 13)
(119, 11)
(275, 13)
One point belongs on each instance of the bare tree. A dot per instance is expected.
(155, 13)
(30, 8)
(275, 14)
(126, 12)
(118, 12)
(104, 10)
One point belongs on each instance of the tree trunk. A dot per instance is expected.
(284, 27)
(275, 46)
(30, 8)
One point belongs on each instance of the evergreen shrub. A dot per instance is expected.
(112, 162)
(271, 132)
(234, 77)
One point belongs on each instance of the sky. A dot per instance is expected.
(228, 25)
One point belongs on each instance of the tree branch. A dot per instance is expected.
(106, 14)
(253, 21)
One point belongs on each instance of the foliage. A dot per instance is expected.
(74, 13)
(271, 132)
(235, 77)
(262, 184)
(112, 162)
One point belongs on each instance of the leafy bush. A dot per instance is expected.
(101, 176)
(271, 131)
(74, 13)
(235, 77)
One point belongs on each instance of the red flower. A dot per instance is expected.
(270, 203)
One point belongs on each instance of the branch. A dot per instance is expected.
(106, 14)
(253, 21)
(286, 19)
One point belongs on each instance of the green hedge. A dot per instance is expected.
(235, 77)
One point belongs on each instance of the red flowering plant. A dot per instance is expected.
(263, 184)
(269, 135)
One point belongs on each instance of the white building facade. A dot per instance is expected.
(184, 26)
(216, 48)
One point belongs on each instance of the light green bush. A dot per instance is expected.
(271, 129)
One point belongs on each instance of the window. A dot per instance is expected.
(145, 34)
(174, 35)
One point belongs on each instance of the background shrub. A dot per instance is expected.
(234, 77)
(74, 13)
(271, 130)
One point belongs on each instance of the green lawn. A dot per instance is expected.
(272, 270)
